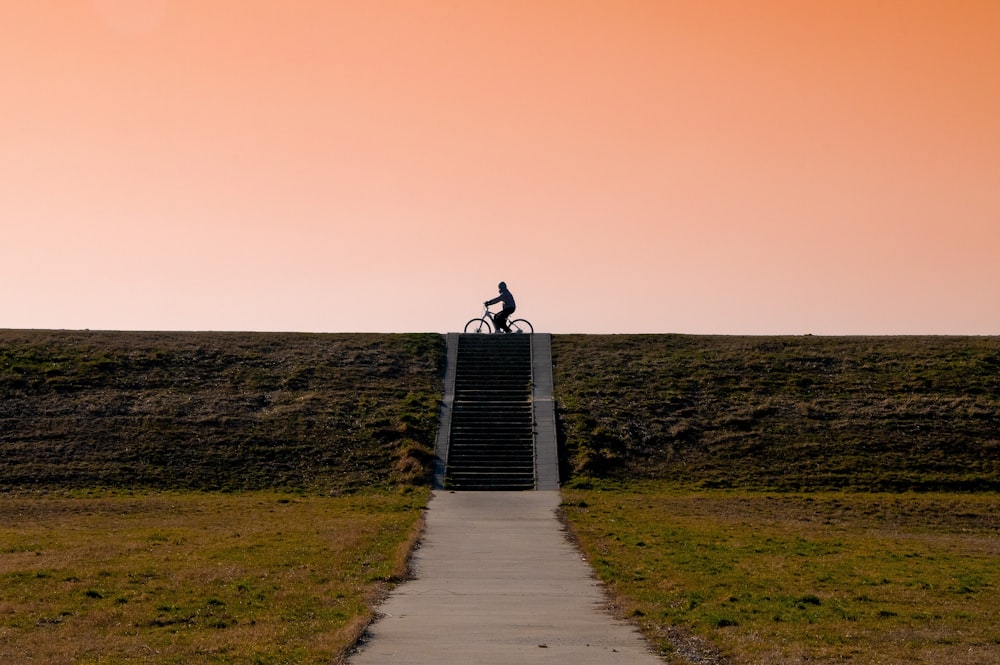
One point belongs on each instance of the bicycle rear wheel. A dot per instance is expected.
(482, 325)
(520, 326)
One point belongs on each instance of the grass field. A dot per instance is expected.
(253, 577)
(756, 577)
(242, 497)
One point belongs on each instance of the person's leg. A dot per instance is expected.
(501, 319)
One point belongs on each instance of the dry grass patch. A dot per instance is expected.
(196, 578)
(793, 578)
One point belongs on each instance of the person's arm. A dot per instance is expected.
(492, 302)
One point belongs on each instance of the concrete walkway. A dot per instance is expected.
(497, 583)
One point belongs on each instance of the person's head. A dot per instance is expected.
(502, 286)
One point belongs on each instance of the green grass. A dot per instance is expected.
(333, 413)
(256, 577)
(217, 411)
(782, 413)
(859, 518)
(207, 497)
(790, 578)
(747, 499)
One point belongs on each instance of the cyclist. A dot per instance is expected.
(500, 318)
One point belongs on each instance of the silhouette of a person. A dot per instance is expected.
(500, 318)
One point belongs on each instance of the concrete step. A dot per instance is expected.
(495, 447)
(504, 408)
(474, 435)
(505, 462)
(490, 482)
(494, 395)
(499, 464)
(476, 440)
(490, 458)
(476, 384)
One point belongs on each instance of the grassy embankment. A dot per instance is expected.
(216, 411)
(789, 500)
(731, 491)
(206, 498)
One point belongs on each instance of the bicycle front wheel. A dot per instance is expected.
(482, 325)
(520, 326)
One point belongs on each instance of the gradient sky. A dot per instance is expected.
(692, 166)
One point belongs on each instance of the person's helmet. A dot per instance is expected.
(502, 286)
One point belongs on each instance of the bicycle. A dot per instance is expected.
(484, 325)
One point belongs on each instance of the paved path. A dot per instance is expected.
(497, 583)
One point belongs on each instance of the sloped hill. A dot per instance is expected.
(865, 413)
(330, 413)
(219, 411)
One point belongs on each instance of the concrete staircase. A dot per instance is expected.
(492, 444)
(498, 422)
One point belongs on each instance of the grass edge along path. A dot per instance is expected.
(788, 578)
(185, 577)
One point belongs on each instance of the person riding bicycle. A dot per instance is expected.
(500, 318)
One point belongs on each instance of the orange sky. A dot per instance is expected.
(697, 166)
